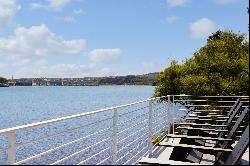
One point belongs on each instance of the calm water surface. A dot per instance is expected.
(23, 105)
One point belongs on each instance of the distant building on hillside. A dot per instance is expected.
(12, 82)
(40, 82)
(56, 83)
(23, 82)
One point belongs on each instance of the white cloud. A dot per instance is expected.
(8, 9)
(105, 56)
(2, 65)
(176, 3)
(202, 28)
(37, 5)
(69, 19)
(21, 62)
(172, 19)
(55, 5)
(78, 12)
(41, 68)
(39, 41)
(106, 72)
(69, 70)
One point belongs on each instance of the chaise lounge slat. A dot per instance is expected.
(195, 147)
(202, 124)
(198, 137)
(202, 129)
(195, 118)
(208, 110)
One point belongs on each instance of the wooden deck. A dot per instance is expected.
(164, 153)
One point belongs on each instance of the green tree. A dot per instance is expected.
(169, 80)
(3, 80)
(218, 68)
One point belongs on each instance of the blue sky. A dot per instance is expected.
(78, 38)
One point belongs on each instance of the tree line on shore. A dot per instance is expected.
(145, 79)
(3, 80)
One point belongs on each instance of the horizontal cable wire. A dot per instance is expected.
(62, 132)
(160, 118)
(134, 111)
(103, 161)
(93, 156)
(132, 142)
(140, 157)
(159, 114)
(163, 123)
(155, 133)
(135, 155)
(122, 123)
(159, 108)
(131, 151)
(132, 134)
(78, 152)
(131, 127)
(59, 147)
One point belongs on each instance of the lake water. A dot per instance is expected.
(23, 105)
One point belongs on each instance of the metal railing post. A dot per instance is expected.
(12, 147)
(115, 137)
(150, 127)
(174, 114)
(168, 114)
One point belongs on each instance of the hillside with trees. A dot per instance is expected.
(221, 67)
(3, 80)
(145, 79)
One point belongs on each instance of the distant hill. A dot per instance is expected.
(145, 79)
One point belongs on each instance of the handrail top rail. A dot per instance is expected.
(35, 124)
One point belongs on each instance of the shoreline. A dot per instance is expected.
(81, 86)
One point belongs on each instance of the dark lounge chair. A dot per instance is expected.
(194, 153)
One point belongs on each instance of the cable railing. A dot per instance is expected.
(117, 135)
(109, 133)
